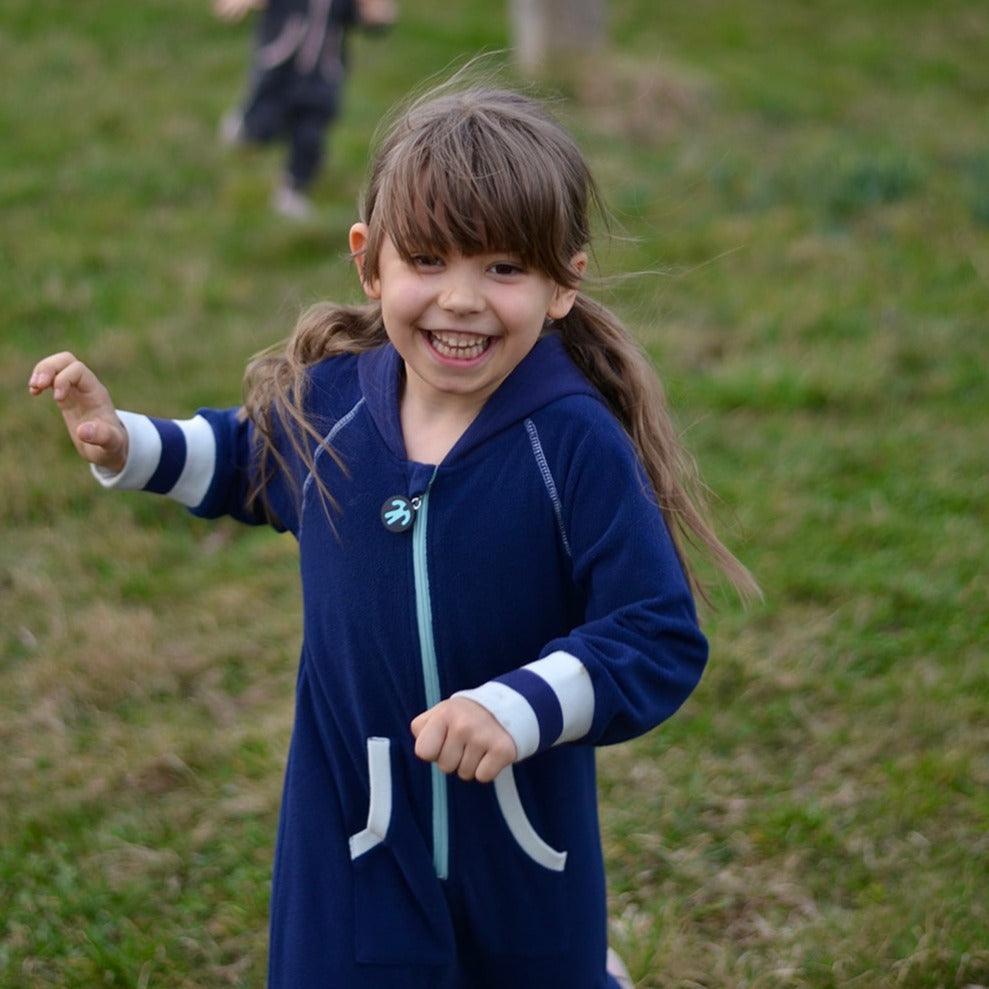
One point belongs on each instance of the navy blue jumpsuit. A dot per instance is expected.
(536, 574)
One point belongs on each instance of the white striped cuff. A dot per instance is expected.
(175, 457)
(541, 704)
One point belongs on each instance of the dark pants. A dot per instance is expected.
(295, 110)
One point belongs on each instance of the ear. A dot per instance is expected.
(564, 296)
(358, 243)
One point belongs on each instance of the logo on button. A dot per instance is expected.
(397, 514)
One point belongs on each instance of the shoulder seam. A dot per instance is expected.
(537, 452)
(327, 439)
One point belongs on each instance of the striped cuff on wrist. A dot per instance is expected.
(541, 704)
(167, 456)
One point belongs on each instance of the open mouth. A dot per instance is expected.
(458, 346)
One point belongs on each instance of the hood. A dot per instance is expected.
(544, 375)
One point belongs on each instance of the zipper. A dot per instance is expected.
(430, 676)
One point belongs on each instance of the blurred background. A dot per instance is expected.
(806, 185)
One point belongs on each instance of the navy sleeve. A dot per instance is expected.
(640, 641)
(639, 652)
(236, 473)
(207, 463)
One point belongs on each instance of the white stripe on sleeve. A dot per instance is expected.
(512, 712)
(570, 681)
(143, 454)
(200, 461)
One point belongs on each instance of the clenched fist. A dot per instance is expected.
(462, 737)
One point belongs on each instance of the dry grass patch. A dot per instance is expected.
(642, 101)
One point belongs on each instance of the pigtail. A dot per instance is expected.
(275, 390)
(617, 366)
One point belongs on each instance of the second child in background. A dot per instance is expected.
(296, 83)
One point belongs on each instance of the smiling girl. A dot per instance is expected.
(491, 505)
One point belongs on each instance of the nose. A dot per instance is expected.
(461, 293)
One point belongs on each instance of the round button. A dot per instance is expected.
(397, 514)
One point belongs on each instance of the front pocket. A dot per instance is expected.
(510, 804)
(379, 804)
(521, 892)
(400, 913)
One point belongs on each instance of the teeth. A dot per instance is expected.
(458, 339)
(464, 346)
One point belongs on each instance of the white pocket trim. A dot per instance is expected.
(379, 804)
(521, 827)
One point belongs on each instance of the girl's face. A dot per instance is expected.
(461, 323)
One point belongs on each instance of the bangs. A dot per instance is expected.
(430, 208)
(476, 182)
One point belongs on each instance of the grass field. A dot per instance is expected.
(809, 185)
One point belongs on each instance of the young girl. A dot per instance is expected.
(490, 506)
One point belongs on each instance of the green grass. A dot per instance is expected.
(809, 186)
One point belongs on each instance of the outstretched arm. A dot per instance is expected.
(90, 417)
(234, 10)
(206, 463)
(376, 14)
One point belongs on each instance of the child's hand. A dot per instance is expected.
(461, 736)
(94, 427)
(376, 13)
(234, 10)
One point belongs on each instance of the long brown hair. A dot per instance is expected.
(480, 170)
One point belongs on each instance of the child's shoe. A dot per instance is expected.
(231, 130)
(617, 969)
(292, 204)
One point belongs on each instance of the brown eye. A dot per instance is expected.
(507, 268)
